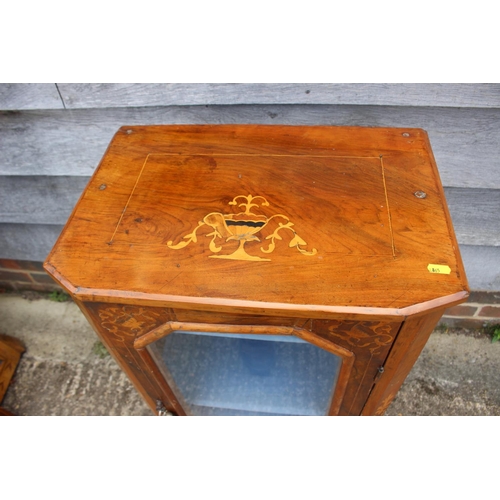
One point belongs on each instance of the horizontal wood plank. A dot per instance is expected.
(466, 142)
(34, 242)
(50, 200)
(482, 265)
(18, 96)
(27, 241)
(105, 95)
(39, 199)
(476, 215)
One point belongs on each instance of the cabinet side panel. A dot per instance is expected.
(117, 326)
(370, 341)
(409, 343)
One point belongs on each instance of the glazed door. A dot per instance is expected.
(248, 370)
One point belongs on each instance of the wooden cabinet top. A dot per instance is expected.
(265, 219)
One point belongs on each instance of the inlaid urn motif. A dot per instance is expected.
(244, 227)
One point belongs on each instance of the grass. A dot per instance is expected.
(99, 349)
(58, 296)
(442, 328)
(494, 331)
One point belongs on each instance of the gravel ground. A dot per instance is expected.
(65, 371)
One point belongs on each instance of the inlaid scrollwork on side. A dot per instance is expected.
(367, 335)
(384, 404)
(129, 321)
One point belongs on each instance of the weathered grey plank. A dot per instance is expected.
(34, 242)
(105, 95)
(482, 265)
(50, 200)
(18, 96)
(39, 199)
(476, 215)
(27, 241)
(466, 142)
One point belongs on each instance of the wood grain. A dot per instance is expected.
(34, 242)
(171, 326)
(131, 221)
(10, 353)
(334, 243)
(153, 365)
(370, 341)
(51, 199)
(409, 343)
(106, 95)
(117, 327)
(363, 347)
(350, 193)
(18, 96)
(465, 141)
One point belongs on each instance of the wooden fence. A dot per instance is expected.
(52, 137)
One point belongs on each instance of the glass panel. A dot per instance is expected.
(240, 374)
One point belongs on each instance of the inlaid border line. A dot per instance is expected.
(388, 210)
(247, 154)
(129, 198)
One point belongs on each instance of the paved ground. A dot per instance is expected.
(65, 371)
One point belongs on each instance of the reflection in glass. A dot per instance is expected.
(245, 374)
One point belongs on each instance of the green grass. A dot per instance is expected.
(494, 331)
(99, 349)
(58, 296)
(442, 328)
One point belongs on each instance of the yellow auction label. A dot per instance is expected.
(439, 269)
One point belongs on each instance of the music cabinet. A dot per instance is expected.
(263, 270)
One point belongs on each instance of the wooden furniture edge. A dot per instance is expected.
(251, 307)
(13, 342)
(446, 211)
(409, 342)
(11, 350)
(77, 205)
(170, 326)
(176, 126)
(155, 372)
(435, 304)
(122, 363)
